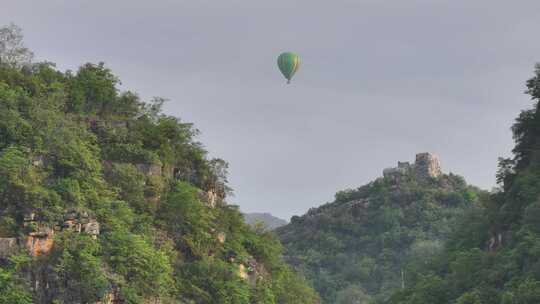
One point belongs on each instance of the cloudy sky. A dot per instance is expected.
(379, 81)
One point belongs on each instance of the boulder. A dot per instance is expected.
(221, 237)
(91, 228)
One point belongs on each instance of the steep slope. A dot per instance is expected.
(492, 255)
(104, 199)
(355, 249)
(267, 219)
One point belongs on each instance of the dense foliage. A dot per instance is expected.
(73, 141)
(355, 249)
(493, 253)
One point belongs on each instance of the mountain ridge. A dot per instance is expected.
(267, 219)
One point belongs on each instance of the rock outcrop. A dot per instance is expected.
(81, 222)
(149, 169)
(112, 298)
(426, 166)
(8, 246)
(39, 161)
(40, 240)
(221, 237)
(252, 271)
(212, 198)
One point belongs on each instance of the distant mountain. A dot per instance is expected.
(268, 219)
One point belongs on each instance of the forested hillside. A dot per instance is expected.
(355, 249)
(105, 199)
(493, 253)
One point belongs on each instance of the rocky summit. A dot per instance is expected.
(360, 243)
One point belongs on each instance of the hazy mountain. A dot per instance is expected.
(268, 219)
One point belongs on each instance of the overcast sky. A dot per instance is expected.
(379, 81)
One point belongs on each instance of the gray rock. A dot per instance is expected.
(92, 228)
(425, 167)
(8, 246)
(149, 169)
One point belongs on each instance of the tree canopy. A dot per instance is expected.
(121, 191)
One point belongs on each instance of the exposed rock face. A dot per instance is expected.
(426, 166)
(221, 237)
(39, 161)
(39, 245)
(211, 198)
(99, 124)
(149, 169)
(242, 272)
(8, 246)
(119, 123)
(80, 221)
(144, 168)
(111, 298)
(252, 272)
(40, 240)
(358, 206)
(92, 228)
(495, 242)
(168, 171)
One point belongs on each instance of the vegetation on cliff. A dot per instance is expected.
(105, 198)
(355, 249)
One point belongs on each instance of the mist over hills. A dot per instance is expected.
(270, 221)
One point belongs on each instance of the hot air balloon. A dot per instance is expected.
(288, 64)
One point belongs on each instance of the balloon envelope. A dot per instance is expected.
(288, 64)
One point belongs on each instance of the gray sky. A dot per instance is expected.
(379, 81)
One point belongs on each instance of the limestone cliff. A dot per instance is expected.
(39, 239)
(106, 199)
